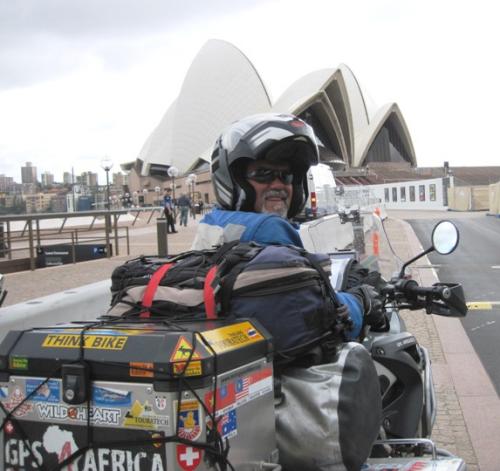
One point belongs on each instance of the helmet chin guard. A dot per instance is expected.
(271, 137)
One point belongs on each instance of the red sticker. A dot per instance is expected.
(188, 457)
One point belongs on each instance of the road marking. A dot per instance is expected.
(482, 305)
(486, 324)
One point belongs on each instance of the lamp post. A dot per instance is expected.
(173, 172)
(144, 196)
(157, 190)
(107, 165)
(191, 181)
(135, 198)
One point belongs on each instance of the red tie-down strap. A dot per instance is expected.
(208, 293)
(149, 292)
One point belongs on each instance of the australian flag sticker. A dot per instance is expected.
(227, 425)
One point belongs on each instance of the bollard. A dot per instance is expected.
(161, 233)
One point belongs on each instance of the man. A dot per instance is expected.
(259, 173)
(168, 208)
(184, 204)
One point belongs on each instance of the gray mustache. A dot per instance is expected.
(276, 194)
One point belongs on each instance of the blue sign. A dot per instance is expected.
(111, 397)
(48, 392)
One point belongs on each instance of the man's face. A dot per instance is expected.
(272, 194)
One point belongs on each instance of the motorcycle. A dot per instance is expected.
(125, 403)
(403, 366)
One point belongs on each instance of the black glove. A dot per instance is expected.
(357, 275)
(373, 306)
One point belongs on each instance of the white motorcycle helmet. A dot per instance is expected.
(271, 137)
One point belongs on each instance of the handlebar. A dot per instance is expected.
(446, 299)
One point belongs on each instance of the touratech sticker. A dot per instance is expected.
(189, 419)
(232, 336)
(141, 370)
(182, 352)
(98, 415)
(51, 444)
(40, 390)
(142, 416)
(96, 342)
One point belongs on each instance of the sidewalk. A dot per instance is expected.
(26, 285)
(467, 421)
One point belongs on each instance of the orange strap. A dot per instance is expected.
(208, 293)
(149, 292)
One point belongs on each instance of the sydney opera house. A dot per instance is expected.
(222, 86)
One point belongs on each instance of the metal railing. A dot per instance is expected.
(32, 237)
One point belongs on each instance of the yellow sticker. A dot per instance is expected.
(182, 351)
(192, 369)
(96, 342)
(232, 336)
(142, 416)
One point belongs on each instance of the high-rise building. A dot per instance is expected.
(67, 178)
(89, 179)
(28, 173)
(47, 179)
(119, 179)
(6, 183)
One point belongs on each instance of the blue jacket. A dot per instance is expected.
(220, 226)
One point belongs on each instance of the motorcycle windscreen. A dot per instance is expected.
(362, 232)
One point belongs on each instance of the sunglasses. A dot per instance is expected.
(267, 175)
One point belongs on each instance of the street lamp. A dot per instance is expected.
(192, 177)
(135, 198)
(157, 190)
(107, 165)
(191, 181)
(173, 172)
(145, 196)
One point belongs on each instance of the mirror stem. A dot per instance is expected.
(403, 268)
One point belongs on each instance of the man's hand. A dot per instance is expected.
(373, 306)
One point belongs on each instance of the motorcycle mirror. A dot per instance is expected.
(445, 237)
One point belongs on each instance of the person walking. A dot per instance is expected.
(184, 205)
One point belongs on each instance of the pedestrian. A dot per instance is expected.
(184, 205)
(169, 210)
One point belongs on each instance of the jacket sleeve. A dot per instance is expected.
(355, 312)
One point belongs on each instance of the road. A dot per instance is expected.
(475, 264)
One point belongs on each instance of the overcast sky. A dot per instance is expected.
(81, 79)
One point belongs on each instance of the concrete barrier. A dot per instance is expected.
(79, 304)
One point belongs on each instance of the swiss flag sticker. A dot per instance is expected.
(188, 457)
